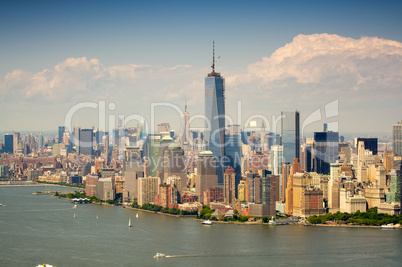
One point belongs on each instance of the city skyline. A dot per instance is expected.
(56, 55)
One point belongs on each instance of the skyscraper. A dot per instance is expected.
(61, 133)
(16, 141)
(206, 173)
(8, 143)
(215, 116)
(397, 139)
(86, 142)
(233, 151)
(370, 144)
(290, 131)
(132, 170)
(325, 151)
(229, 186)
(276, 159)
(185, 127)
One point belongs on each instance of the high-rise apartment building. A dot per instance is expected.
(147, 189)
(290, 132)
(397, 139)
(229, 188)
(215, 116)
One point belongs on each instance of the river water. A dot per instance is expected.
(38, 229)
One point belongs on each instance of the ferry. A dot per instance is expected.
(388, 226)
(207, 222)
(159, 255)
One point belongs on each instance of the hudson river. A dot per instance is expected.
(38, 229)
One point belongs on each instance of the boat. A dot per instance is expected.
(207, 222)
(74, 216)
(129, 222)
(136, 216)
(159, 255)
(388, 226)
(1, 205)
(75, 206)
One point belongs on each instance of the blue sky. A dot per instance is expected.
(156, 36)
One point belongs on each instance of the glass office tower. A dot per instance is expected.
(290, 131)
(215, 116)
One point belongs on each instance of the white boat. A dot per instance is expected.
(207, 222)
(1, 205)
(129, 222)
(74, 216)
(159, 255)
(75, 206)
(388, 226)
(136, 216)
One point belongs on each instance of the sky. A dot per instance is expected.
(336, 62)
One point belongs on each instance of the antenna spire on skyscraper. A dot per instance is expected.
(213, 56)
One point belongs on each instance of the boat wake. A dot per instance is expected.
(182, 256)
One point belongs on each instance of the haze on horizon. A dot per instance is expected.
(274, 56)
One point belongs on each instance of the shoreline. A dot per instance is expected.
(242, 223)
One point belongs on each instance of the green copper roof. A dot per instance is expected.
(206, 152)
(174, 145)
(167, 138)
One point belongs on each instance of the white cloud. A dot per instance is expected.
(77, 79)
(330, 61)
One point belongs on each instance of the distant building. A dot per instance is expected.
(307, 200)
(90, 185)
(173, 164)
(233, 151)
(213, 194)
(229, 186)
(147, 189)
(370, 144)
(104, 189)
(325, 151)
(277, 159)
(153, 153)
(397, 138)
(33, 175)
(62, 129)
(351, 204)
(132, 170)
(290, 132)
(206, 176)
(86, 142)
(168, 196)
(8, 143)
